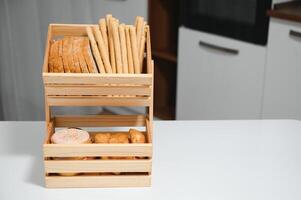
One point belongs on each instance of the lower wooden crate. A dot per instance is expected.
(98, 181)
(133, 169)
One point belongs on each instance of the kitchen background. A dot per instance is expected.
(222, 59)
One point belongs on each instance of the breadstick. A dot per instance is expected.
(102, 49)
(111, 43)
(129, 51)
(123, 49)
(141, 49)
(134, 50)
(95, 50)
(139, 29)
(104, 34)
(148, 51)
(117, 46)
(86, 51)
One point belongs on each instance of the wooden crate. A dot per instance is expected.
(83, 89)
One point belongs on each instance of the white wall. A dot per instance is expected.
(22, 37)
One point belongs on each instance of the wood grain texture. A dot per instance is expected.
(98, 181)
(61, 166)
(99, 120)
(82, 150)
(97, 90)
(94, 79)
(97, 100)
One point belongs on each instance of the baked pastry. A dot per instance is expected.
(102, 138)
(70, 136)
(136, 136)
(119, 138)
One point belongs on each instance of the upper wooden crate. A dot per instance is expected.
(88, 89)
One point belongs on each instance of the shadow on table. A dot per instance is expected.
(26, 139)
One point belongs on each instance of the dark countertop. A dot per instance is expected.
(290, 11)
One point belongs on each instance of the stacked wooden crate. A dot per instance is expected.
(97, 89)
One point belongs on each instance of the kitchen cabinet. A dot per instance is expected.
(282, 96)
(218, 77)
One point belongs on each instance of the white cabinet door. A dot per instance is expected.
(282, 96)
(218, 78)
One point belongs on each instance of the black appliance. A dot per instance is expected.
(244, 20)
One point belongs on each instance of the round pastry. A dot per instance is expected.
(119, 138)
(136, 136)
(70, 136)
(102, 137)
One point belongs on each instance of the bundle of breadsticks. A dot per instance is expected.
(110, 47)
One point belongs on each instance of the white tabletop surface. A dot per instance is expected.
(208, 160)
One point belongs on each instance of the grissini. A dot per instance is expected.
(102, 49)
(95, 51)
(117, 46)
(123, 48)
(111, 43)
(129, 51)
(141, 49)
(86, 51)
(134, 49)
(139, 29)
(104, 33)
(148, 50)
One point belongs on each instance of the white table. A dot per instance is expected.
(208, 160)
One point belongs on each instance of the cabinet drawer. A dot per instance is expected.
(218, 78)
(282, 94)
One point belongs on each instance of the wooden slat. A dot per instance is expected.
(81, 150)
(99, 120)
(97, 90)
(61, 166)
(97, 101)
(97, 181)
(69, 29)
(80, 79)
